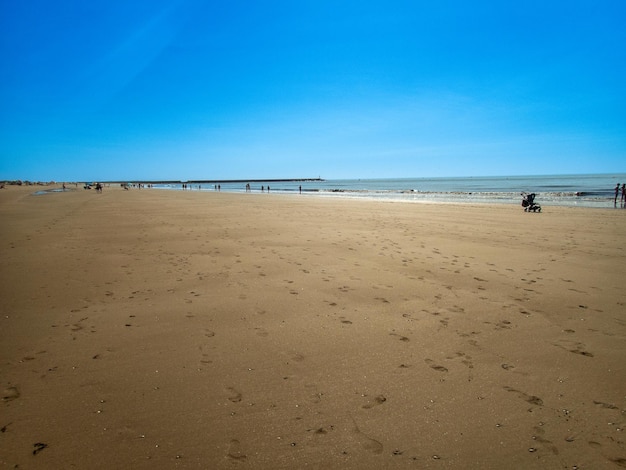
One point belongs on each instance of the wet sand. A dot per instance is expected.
(155, 329)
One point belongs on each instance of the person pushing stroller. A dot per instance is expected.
(528, 203)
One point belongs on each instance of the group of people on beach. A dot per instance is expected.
(617, 193)
(249, 188)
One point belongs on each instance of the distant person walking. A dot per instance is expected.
(616, 194)
(623, 200)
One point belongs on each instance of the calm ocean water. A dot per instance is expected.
(555, 190)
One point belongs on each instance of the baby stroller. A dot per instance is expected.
(528, 203)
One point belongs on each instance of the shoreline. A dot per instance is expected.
(416, 197)
(583, 190)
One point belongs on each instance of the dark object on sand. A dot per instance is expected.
(528, 203)
(39, 446)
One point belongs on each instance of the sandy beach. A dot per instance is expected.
(168, 329)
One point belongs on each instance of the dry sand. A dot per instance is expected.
(155, 329)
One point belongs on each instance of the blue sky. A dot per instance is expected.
(190, 89)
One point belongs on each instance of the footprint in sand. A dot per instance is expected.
(573, 347)
(234, 395)
(538, 437)
(532, 399)
(619, 461)
(10, 393)
(400, 337)
(466, 360)
(434, 366)
(234, 451)
(378, 400)
(503, 325)
(205, 356)
(608, 406)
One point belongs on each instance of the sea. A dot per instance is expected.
(588, 190)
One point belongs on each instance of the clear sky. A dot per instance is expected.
(191, 89)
